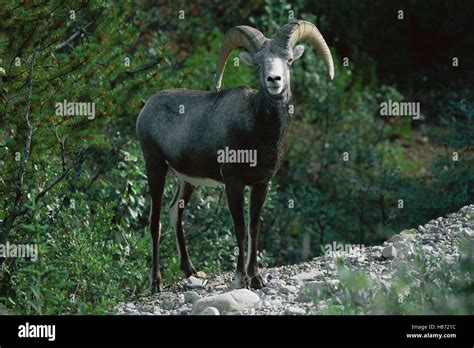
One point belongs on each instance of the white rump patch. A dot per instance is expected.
(195, 181)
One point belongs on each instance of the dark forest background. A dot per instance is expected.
(76, 186)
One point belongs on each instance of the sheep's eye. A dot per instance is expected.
(290, 61)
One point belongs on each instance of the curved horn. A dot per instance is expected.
(240, 36)
(291, 33)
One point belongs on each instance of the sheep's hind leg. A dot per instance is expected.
(156, 173)
(180, 200)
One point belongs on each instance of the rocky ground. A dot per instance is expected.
(291, 290)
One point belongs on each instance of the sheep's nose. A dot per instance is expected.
(273, 78)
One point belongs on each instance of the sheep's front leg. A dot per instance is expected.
(257, 198)
(235, 199)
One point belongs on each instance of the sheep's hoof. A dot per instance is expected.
(256, 282)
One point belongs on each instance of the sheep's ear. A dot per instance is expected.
(298, 51)
(246, 58)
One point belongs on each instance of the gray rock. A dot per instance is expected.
(167, 304)
(421, 229)
(288, 289)
(147, 308)
(184, 311)
(310, 290)
(194, 283)
(455, 227)
(359, 299)
(209, 311)
(307, 276)
(333, 283)
(395, 238)
(404, 248)
(269, 291)
(467, 233)
(433, 228)
(275, 283)
(191, 296)
(314, 286)
(130, 305)
(232, 301)
(385, 286)
(428, 248)
(389, 252)
(275, 303)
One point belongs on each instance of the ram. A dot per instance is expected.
(186, 130)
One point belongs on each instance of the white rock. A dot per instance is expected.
(231, 301)
(210, 311)
(292, 310)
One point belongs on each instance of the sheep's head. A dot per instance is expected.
(272, 57)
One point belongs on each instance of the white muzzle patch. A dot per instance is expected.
(274, 75)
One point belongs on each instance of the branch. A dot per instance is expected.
(67, 42)
(54, 183)
(62, 143)
(15, 211)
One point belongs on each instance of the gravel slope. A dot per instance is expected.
(288, 288)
